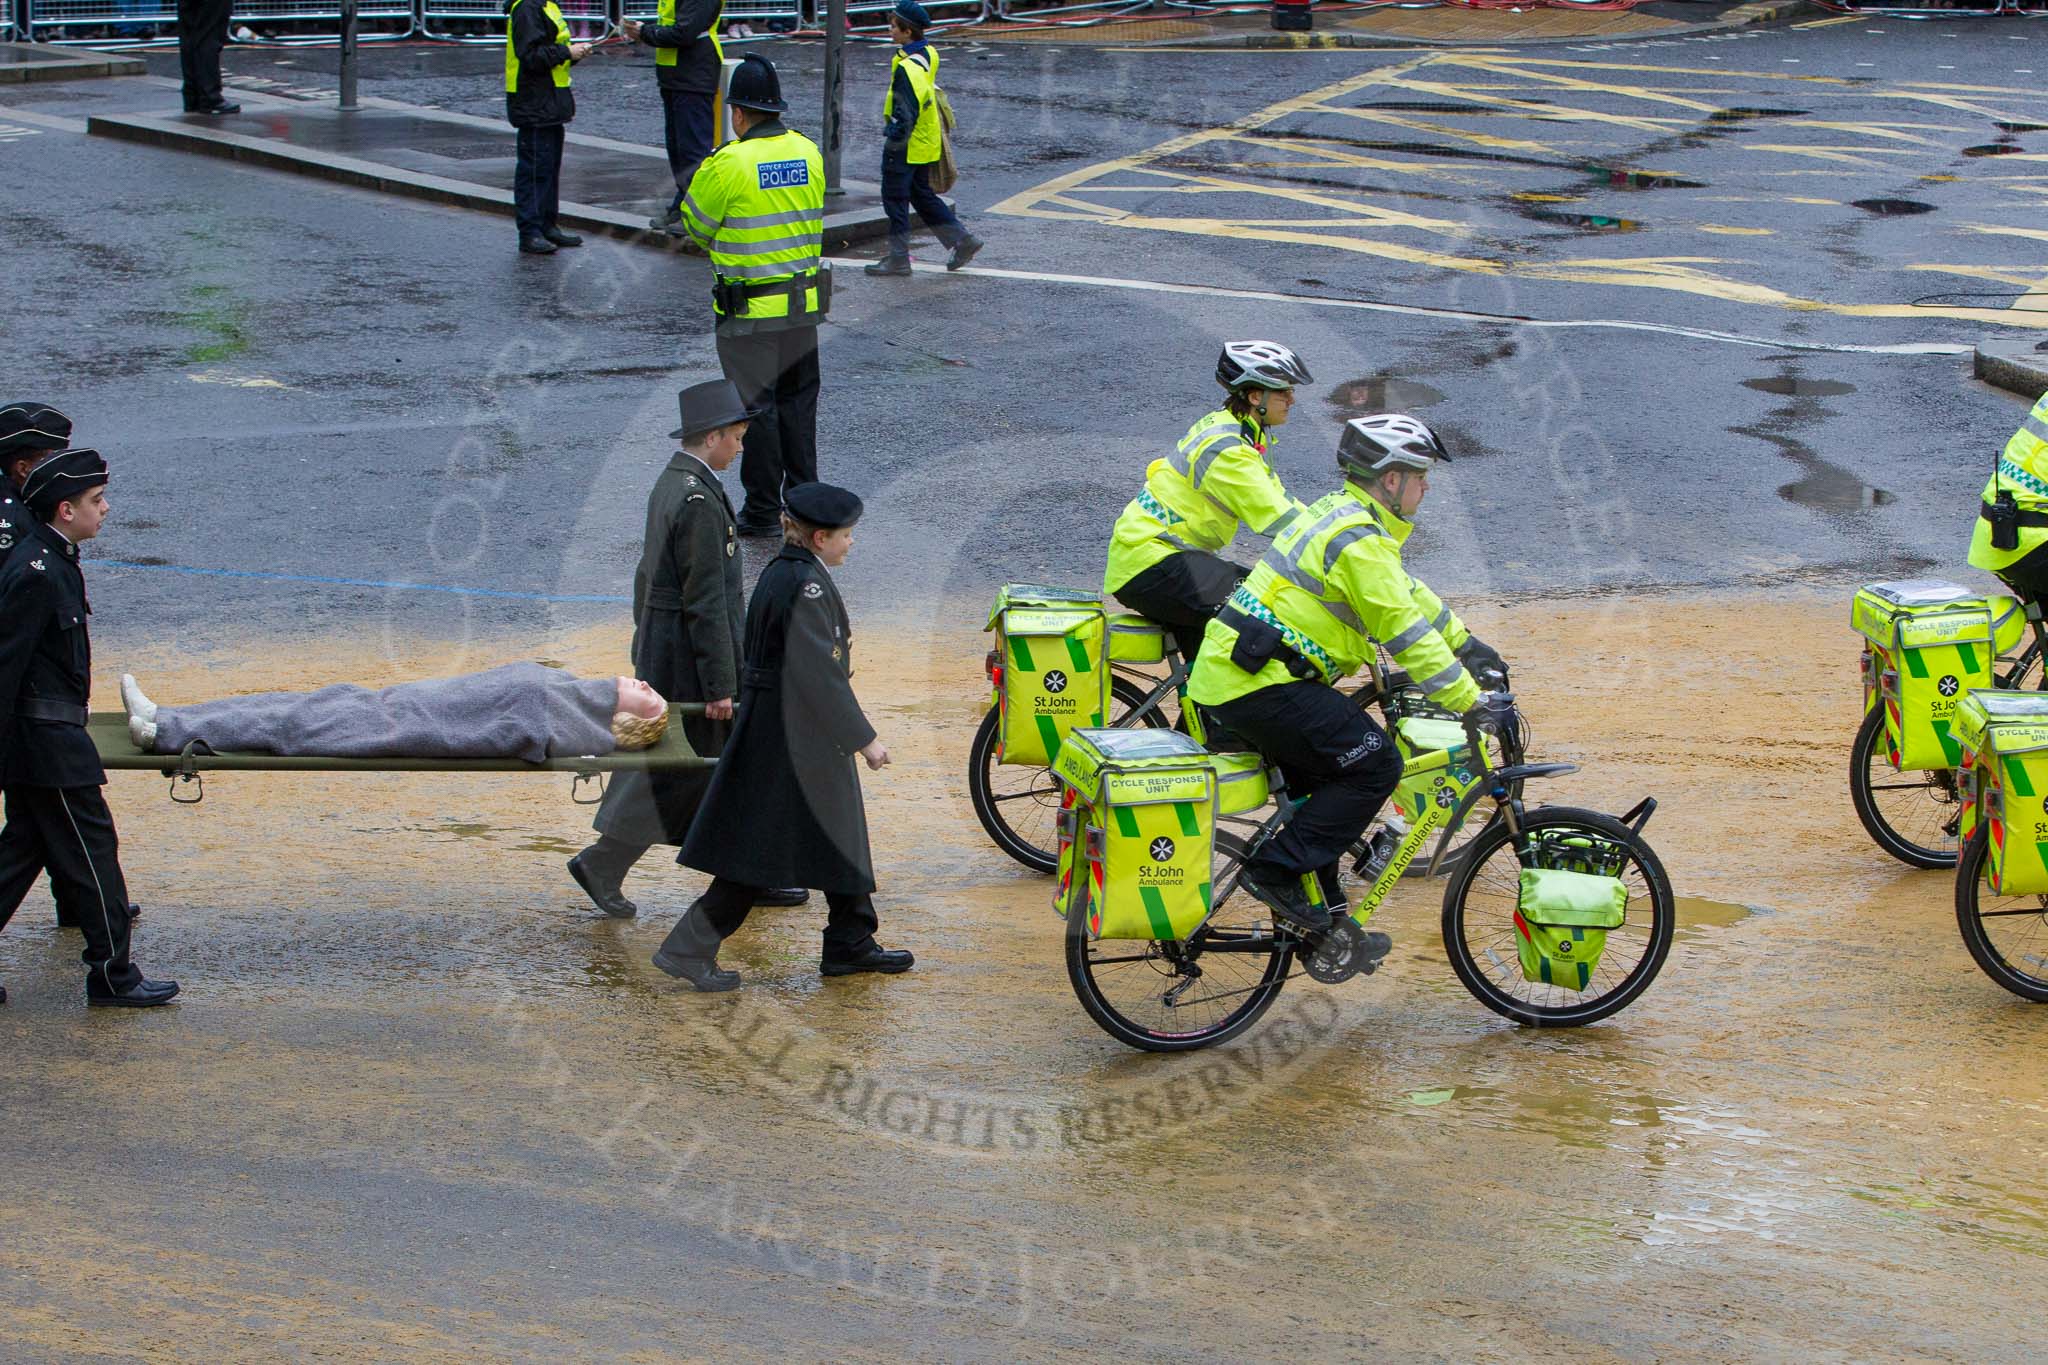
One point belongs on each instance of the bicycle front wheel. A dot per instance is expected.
(1019, 806)
(1481, 908)
(1912, 815)
(2008, 935)
(1176, 997)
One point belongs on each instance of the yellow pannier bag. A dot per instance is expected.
(1241, 783)
(2004, 740)
(1137, 821)
(1927, 643)
(1561, 923)
(1050, 674)
(1436, 765)
(1134, 639)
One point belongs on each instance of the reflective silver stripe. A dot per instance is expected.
(1409, 636)
(1443, 618)
(1440, 681)
(1279, 524)
(1206, 453)
(1177, 543)
(697, 211)
(1308, 583)
(1344, 540)
(761, 220)
(732, 248)
(766, 270)
(2035, 427)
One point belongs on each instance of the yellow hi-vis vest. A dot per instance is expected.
(2022, 472)
(923, 70)
(665, 15)
(562, 36)
(1195, 498)
(757, 205)
(1333, 584)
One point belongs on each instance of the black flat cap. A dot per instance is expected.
(32, 426)
(709, 406)
(64, 475)
(823, 505)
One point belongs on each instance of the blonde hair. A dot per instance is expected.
(637, 732)
(798, 532)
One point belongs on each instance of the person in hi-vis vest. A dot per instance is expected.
(757, 207)
(538, 51)
(911, 139)
(2012, 522)
(687, 61)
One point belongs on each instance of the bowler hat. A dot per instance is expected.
(709, 406)
(823, 505)
(32, 426)
(754, 85)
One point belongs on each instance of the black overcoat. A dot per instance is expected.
(45, 662)
(686, 642)
(784, 808)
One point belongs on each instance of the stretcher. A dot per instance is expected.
(109, 731)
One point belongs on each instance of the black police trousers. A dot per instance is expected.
(1182, 592)
(202, 33)
(777, 376)
(70, 831)
(849, 925)
(1327, 747)
(2028, 575)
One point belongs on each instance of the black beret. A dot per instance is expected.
(64, 475)
(821, 504)
(32, 426)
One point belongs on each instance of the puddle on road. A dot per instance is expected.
(1622, 178)
(1835, 490)
(1743, 114)
(2004, 126)
(1891, 208)
(1698, 917)
(1793, 387)
(1445, 107)
(1584, 222)
(1382, 393)
(1994, 149)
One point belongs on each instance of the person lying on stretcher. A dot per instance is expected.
(527, 711)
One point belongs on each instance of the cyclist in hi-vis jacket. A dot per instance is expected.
(2012, 525)
(1165, 556)
(1328, 593)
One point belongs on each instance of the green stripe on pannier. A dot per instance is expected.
(1077, 655)
(1126, 822)
(1155, 913)
(1020, 653)
(1968, 656)
(1185, 810)
(1915, 665)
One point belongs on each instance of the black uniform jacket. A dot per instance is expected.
(45, 657)
(14, 521)
(784, 807)
(538, 102)
(696, 68)
(687, 623)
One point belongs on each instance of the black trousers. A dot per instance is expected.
(537, 177)
(849, 926)
(1327, 747)
(906, 187)
(686, 128)
(70, 831)
(642, 808)
(1182, 592)
(2028, 575)
(202, 33)
(777, 374)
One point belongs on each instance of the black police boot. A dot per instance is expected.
(872, 958)
(3, 995)
(690, 953)
(964, 250)
(534, 244)
(782, 895)
(1282, 894)
(561, 238)
(218, 109)
(140, 996)
(600, 882)
(888, 265)
(669, 220)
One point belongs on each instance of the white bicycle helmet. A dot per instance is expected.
(1260, 365)
(1388, 440)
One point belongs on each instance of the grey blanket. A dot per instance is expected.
(527, 711)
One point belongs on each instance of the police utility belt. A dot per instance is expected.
(64, 712)
(733, 296)
(1259, 641)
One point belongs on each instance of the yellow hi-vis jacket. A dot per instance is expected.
(1196, 497)
(757, 205)
(1333, 584)
(560, 72)
(923, 71)
(2022, 472)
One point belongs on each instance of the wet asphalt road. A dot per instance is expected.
(411, 402)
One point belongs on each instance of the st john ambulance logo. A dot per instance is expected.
(1948, 685)
(1162, 849)
(1055, 682)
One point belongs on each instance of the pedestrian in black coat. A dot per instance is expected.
(784, 807)
(539, 104)
(50, 771)
(202, 33)
(687, 621)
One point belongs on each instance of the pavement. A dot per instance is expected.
(2021, 366)
(22, 62)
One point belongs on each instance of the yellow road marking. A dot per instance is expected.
(1725, 230)
(1850, 156)
(2034, 234)
(1830, 23)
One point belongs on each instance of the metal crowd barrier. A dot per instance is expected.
(487, 19)
(57, 20)
(945, 13)
(1011, 10)
(51, 19)
(736, 12)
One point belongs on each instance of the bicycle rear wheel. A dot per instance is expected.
(2008, 935)
(1912, 815)
(1017, 805)
(1176, 997)
(1481, 907)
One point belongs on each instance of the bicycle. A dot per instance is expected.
(1018, 805)
(1182, 994)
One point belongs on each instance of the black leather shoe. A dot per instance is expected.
(533, 244)
(606, 896)
(888, 265)
(663, 222)
(139, 996)
(561, 238)
(964, 250)
(759, 528)
(702, 972)
(783, 895)
(873, 958)
(1283, 897)
(3, 995)
(220, 110)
